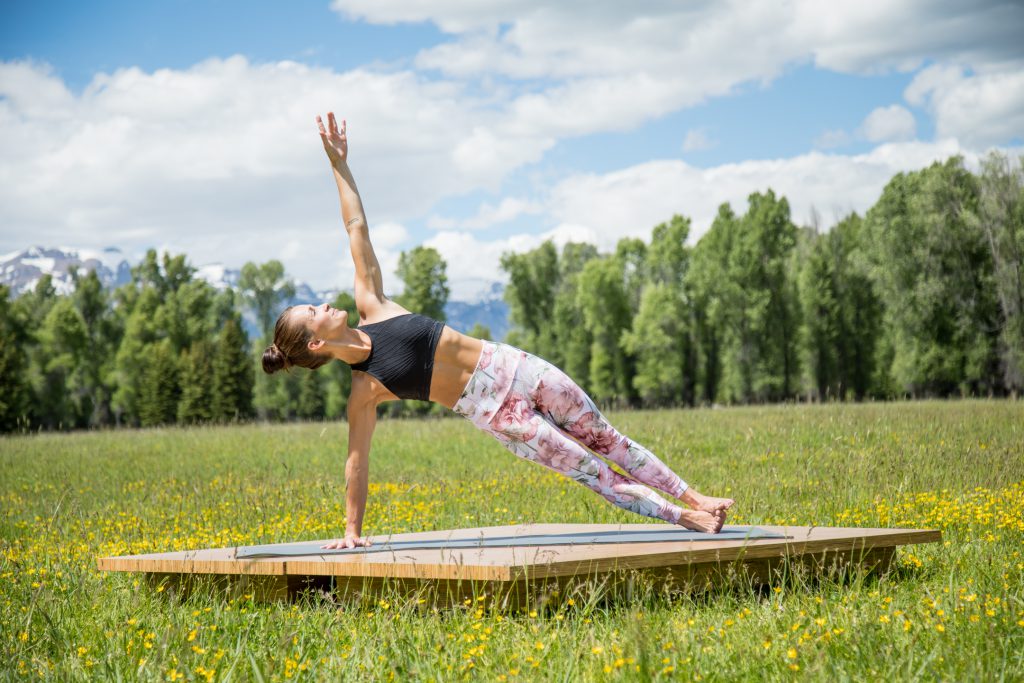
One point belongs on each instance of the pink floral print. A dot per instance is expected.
(533, 409)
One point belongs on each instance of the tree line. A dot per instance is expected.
(169, 348)
(922, 296)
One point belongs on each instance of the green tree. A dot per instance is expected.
(14, 388)
(530, 295)
(103, 334)
(572, 339)
(232, 374)
(933, 270)
(196, 404)
(821, 333)
(604, 301)
(140, 333)
(265, 288)
(62, 343)
(659, 337)
(480, 331)
(310, 403)
(159, 389)
(426, 283)
(1000, 218)
(716, 299)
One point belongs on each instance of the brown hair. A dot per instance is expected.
(290, 347)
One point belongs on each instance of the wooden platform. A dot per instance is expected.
(517, 576)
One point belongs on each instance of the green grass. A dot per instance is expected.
(951, 611)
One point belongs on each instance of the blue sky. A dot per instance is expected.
(476, 128)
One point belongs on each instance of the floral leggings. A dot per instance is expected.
(533, 408)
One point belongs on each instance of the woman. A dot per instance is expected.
(529, 405)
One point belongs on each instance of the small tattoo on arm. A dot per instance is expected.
(350, 221)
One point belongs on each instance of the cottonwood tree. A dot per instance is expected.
(933, 269)
(426, 283)
(1000, 218)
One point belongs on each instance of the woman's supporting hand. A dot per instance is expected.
(335, 141)
(350, 541)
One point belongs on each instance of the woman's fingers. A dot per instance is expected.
(348, 542)
(320, 123)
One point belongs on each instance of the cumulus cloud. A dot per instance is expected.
(487, 215)
(467, 274)
(983, 108)
(225, 157)
(886, 124)
(630, 201)
(608, 65)
(697, 139)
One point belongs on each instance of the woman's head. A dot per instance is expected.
(301, 335)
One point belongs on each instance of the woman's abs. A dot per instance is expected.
(455, 359)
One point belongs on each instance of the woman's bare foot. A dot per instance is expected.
(706, 522)
(698, 501)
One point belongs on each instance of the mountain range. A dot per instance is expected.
(21, 270)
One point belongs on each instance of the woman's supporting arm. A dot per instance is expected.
(369, 287)
(362, 419)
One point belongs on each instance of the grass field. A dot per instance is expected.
(951, 611)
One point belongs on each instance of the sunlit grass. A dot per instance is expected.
(952, 611)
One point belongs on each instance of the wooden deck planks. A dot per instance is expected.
(527, 563)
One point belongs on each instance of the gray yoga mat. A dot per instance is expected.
(731, 533)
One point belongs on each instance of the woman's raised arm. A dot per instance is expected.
(369, 286)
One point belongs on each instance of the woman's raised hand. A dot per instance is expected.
(335, 141)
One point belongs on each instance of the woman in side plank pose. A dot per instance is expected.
(526, 403)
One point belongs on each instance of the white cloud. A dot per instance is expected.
(985, 108)
(225, 157)
(886, 124)
(580, 68)
(389, 234)
(487, 215)
(471, 261)
(697, 139)
(631, 201)
(601, 209)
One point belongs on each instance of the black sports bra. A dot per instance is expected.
(402, 354)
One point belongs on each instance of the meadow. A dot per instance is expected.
(949, 611)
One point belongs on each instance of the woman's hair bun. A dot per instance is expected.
(273, 360)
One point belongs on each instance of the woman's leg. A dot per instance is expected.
(563, 402)
(532, 437)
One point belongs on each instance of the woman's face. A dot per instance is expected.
(324, 321)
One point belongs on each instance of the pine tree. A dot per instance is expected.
(13, 370)
(232, 374)
(196, 404)
(158, 402)
(310, 401)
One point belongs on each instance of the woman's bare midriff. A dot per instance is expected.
(455, 359)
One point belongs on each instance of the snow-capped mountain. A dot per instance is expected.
(21, 270)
